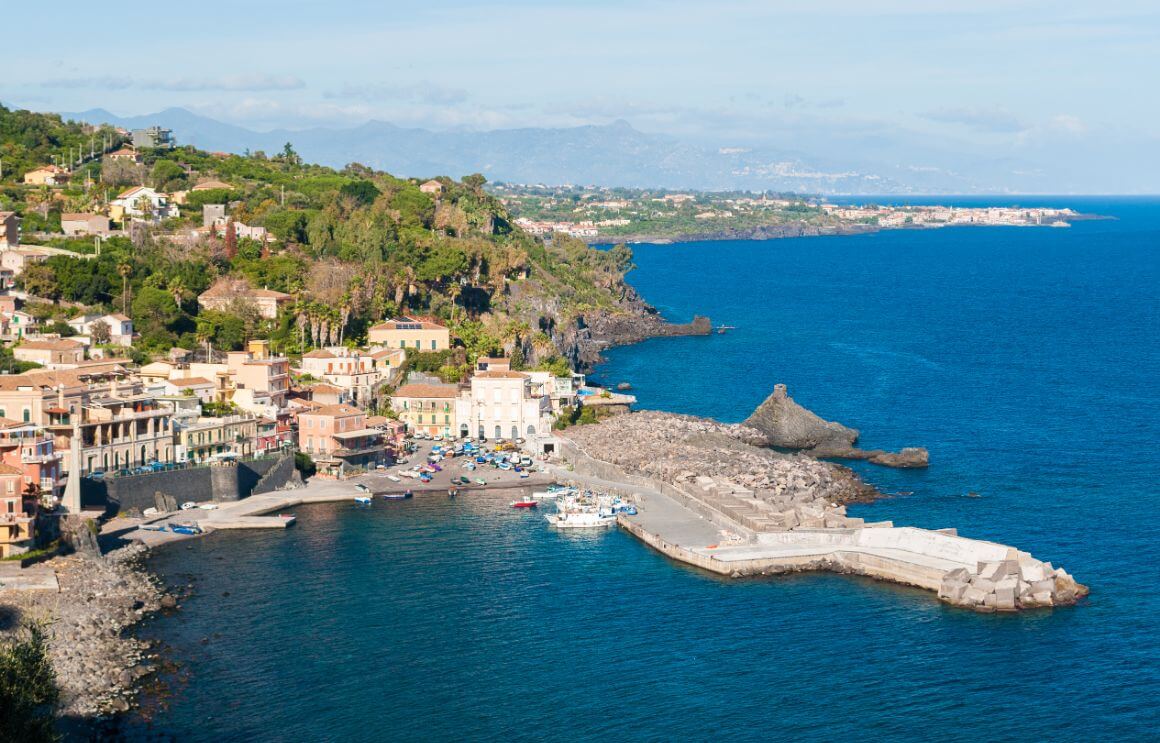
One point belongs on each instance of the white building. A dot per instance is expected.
(120, 327)
(504, 405)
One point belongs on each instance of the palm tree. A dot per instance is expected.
(125, 270)
(344, 317)
(178, 290)
(454, 291)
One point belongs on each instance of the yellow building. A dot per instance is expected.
(427, 408)
(422, 334)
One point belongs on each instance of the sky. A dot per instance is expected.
(984, 78)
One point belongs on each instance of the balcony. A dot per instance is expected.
(39, 458)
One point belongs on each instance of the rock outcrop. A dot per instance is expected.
(782, 423)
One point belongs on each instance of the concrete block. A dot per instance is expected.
(1043, 586)
(1032, 572)
(790, 518)
(952, 592)
(973, 596)
(1042, 598)
(961, 575)
(1005, 596)
(984, 585)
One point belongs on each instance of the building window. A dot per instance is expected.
(432, 345)
(27, 415)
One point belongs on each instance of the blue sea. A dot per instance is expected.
(1025, 359)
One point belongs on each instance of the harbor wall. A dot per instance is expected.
(219, 483)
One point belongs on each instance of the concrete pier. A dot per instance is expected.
(732, 533)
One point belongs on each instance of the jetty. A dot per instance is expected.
(759, 512)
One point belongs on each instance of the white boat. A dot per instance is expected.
(580, 520)
(544, 495)
(362, 500)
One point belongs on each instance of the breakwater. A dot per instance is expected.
(775, 513)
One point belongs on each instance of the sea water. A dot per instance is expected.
(1025, 359)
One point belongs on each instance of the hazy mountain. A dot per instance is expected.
(614, 155)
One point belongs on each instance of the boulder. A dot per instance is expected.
(788, 425)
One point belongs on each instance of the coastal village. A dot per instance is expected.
(605, 215)
(251, 400)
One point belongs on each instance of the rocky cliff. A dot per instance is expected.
(782, 423)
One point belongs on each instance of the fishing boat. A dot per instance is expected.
(524, 503)
(362, 500)
(398, 496)
(186, 529)
(580, 520)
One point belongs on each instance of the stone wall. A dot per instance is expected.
(198, 484)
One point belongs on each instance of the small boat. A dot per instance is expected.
(580, 520)
(362, 500)
(480, 481)
(392, 478)
(153, 527)
(452, 492)
(362, 488)
(525, 503)
(524, 475)
(398, 496)
(186, 529)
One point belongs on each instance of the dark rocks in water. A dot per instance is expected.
(168, 602)
(623, 387)
(784, 424)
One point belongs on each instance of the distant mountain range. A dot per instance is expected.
(609, 155)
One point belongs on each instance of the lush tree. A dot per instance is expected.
(28, 690)
(363, 192)
(168, 176)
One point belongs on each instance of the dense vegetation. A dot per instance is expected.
(28, 690)
(352, 246)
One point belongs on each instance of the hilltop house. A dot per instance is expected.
(52, 353)
(49, 175)
(74, 224)
(225, 292)
(422, 334)
(432, 187)
(141, 202)
(120, 327)
(125, 153)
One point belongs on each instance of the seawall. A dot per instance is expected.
(219, 483)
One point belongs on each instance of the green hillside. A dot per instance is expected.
(352, 246)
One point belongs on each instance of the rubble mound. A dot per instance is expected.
(1010, 585)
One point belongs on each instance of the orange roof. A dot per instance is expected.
(211, 186)
(336, 411)
(8, 469)
(318, 353)
(56, 344)
(189, 382)
(427, 390)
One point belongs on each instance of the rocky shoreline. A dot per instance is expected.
(97, 663)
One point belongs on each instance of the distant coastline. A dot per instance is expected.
(776, 232)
